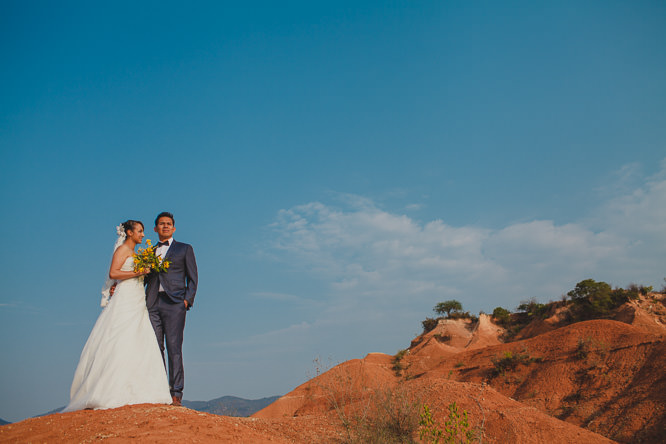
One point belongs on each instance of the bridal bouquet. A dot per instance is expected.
(145, 259)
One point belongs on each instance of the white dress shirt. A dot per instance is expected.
(161, 251)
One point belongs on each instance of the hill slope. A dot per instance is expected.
(601, 376)
(592, 382)
(159, 423)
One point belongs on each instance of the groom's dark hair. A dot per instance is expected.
(165, 214)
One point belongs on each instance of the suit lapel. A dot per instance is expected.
(170, 251)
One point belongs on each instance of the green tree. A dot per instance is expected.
(533, 308)
(447, 307)
(592, 299)
(502, 315)
(590, 289)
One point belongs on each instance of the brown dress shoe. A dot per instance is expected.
(176, 401)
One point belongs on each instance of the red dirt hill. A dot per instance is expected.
(602, 376)
(591, 382)
(357, 383)
(159, 423)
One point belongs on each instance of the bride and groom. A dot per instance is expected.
(122, 363)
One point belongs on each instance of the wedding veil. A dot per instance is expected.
(106, 289)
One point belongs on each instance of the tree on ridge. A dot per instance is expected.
(447, 307)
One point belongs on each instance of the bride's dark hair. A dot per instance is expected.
(131, 224)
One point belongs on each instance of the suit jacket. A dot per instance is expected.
(180, 279)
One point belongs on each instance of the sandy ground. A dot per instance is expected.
(158, 423)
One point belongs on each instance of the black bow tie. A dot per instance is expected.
(163, 244)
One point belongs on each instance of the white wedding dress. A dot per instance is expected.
(121, 362)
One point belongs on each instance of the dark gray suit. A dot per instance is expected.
(167, 309)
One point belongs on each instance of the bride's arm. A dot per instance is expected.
(119, 258)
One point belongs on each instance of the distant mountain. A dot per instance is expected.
(3, 422)
(230, 405)
(50, 412)
(226, 405)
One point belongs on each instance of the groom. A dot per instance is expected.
(168, 297)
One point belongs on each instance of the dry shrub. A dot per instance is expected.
(390, 415)
(384, 415)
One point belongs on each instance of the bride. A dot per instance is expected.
(121, 362)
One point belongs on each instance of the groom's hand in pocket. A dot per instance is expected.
(112, 289)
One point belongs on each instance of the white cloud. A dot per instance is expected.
(378, 273)
(371, 256)
(640, 212)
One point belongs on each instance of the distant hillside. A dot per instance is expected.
(3, 422)
(230, 405)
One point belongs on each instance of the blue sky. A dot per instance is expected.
(339, 168)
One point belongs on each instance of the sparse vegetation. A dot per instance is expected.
(464, 315)
(583, 348)
(587, 346)
(509, 361)
(591, 366)
(534, 309)
(384, 415)
(640, 289)
(527, 312)
(429, 430)
(456, 427)
(429, 324)
(588, 300)
(391, 416)
(442, 338)
(566, 410)
(398, 365)
(340, 390)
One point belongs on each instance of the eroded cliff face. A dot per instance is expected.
(603, 376)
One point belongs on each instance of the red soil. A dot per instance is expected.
(584, 382)
(159, 423)
(602, 376)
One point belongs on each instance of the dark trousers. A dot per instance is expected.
(168, 319)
